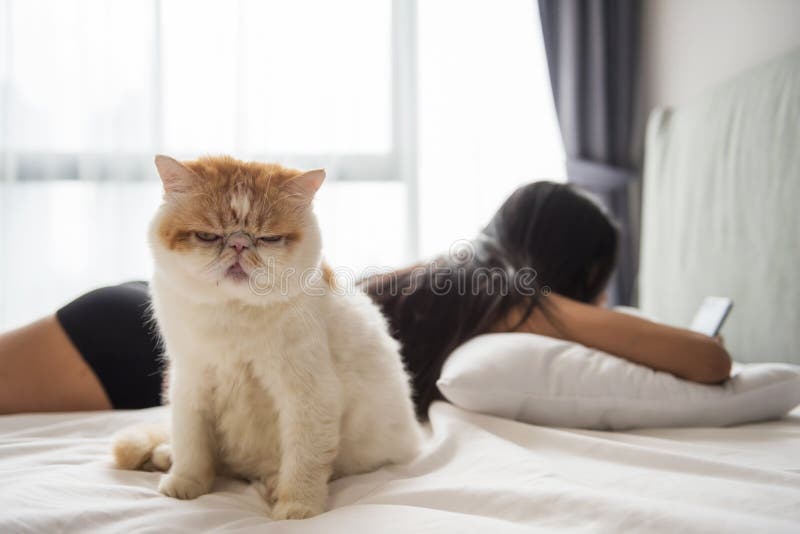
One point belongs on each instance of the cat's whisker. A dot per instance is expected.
(215, 269)
(212, 265)
(251, 261)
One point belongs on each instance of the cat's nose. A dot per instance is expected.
(239, 242)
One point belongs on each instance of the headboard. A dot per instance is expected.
(721, 210)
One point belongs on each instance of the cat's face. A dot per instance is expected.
(235, 230)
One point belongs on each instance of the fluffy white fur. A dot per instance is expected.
(287, 388)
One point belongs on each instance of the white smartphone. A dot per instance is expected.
(711, 315)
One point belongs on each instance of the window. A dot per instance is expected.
(425, 115)
(487, 118)
(91, 88)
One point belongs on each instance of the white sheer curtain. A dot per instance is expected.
(84, 80)
(487, 118)
(91, 89)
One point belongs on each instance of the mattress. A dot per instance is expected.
(476, 474)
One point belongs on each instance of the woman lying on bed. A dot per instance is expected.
(100, 352)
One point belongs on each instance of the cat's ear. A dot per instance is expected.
(175, 176)
(308, 183)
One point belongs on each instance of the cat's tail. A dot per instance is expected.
(144, 447)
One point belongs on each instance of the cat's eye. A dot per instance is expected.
(270, 238)
(206, 236)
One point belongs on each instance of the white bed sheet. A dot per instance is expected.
(476, 474)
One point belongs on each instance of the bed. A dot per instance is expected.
(484, 474)
(476, 474)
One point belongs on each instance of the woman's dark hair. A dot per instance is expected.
(545, 237)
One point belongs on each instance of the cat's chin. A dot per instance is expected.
(238, 287)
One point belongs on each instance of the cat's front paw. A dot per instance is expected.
(268, 488)
(293, 510)
(181, 487)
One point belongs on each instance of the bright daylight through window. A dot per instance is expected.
(404, 121)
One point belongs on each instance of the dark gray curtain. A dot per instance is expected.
(593, 56)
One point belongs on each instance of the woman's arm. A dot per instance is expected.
(685, 354)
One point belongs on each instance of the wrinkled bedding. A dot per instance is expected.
(476, 474)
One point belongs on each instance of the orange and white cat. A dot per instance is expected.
(275, 376)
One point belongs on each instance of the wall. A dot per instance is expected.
(690, 45)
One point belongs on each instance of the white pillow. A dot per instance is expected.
(547, 381)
